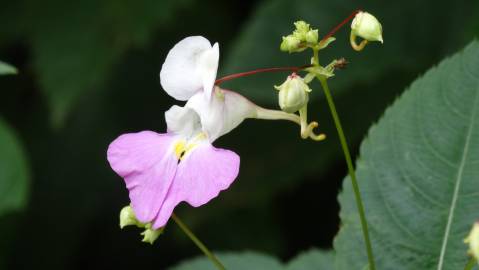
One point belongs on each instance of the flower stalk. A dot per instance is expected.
(198, 243)
(256, 71)
(352, 174)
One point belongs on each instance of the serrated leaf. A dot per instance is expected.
(312, 259)
(403, 50)
(418, 174)
(233, 261)
(14, 172)
(6, 69)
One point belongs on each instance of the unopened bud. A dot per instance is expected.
(473, 241)
(150, 235)
(293, 94)
(301, 28)
(291, 44)
(304, 33)
(367, 27)
(127, 217)
(312, 36)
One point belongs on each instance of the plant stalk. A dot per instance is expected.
(352, 174)
(198, 243)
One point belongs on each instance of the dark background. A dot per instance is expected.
(88, 72)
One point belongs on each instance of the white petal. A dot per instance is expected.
(208, 67)
(189, 67)
(182, 121)
(225, 111)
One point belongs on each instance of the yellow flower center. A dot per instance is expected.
(183, 147)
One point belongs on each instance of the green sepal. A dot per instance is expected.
(150, 235)
(324, 43)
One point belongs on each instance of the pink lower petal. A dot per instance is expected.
(200, 176)
(148, 165)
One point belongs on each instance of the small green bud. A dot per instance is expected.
(293, 94)
(302, 27)
(312, 36)
(367, 27)
(291, 44)
(150, 235)
(127, 217)
(473, 241)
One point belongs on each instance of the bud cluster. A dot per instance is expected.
(302, 38)
(128, 218)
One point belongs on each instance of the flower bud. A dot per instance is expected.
(367, 27)
(473, 241)
(150, 235)
(291, 44)
(293, 94)
(301, 27)
(312, 36)
(127, 217)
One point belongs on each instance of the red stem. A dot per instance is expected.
(335, 29)
(261, 70)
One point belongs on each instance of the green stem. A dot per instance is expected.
(198, 243)
(470, 264)
(352, 175)
(315, 57)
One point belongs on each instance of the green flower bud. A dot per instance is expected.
(473, 241)
(291, 44)
(367, 27)
(312, 36)
(127, 217)
(293, 94)
(302, 27)
(150, 235)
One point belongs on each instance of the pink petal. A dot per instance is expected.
(200, 176)
(148, 165)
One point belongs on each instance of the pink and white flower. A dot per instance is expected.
(162, 170)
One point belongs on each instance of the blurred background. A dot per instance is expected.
(88, 72)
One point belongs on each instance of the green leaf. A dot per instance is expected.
(233, 261)
(14, 172)
(312, 259)
(418, 174)
(403, 49)
(6, 69)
